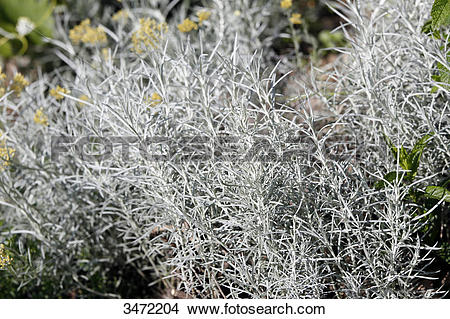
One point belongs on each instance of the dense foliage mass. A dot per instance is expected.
(316, 183)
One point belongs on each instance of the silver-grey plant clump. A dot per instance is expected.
(309, 226)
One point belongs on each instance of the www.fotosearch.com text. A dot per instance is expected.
(184, 148)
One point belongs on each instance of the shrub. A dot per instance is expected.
(310, 225)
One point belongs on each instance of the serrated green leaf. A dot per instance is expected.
(444, 73)
(437, 192)
(428, 30)
(440, 13)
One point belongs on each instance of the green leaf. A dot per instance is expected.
(403, 159)
(416, 153)
(427, 27)
(421, 144)
(428, 30)
(444, 76)
(388, 178)
(444, 73)
(440, 13)
(38, 11)
(6, 50)
(437, 192)
(435, 78)
(402, 154)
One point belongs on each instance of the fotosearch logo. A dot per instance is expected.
(179, 149)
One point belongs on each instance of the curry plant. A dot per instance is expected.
(305, 226)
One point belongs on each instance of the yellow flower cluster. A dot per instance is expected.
(56, 93)
(150, 33)
(154, 100)
(5, 260)
(203, 16)
(188, 25)
(286, 4)
(6, 153)
(120, 15)
(87, 34)
(40, 117)
(19, 83)
(296, 18)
